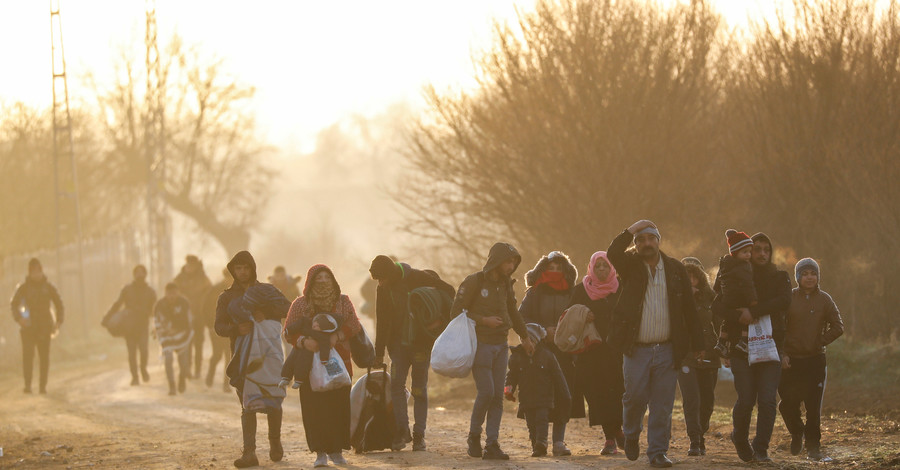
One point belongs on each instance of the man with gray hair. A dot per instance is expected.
(654, 326)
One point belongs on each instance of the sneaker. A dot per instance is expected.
(338, 458)
(742, 346)
(816, 455)
(609, 448)
(493, 452)
(248, 459)
(418, 442)
(284, 382)
(632, 448)
(321, 460)
(761, 456)
(297, 384)
(538, 450)
(560, 449)
(796, 443)
(744, 451)
(474, 442)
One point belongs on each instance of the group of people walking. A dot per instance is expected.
(620, 339)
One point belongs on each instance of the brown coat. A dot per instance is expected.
(813, 322)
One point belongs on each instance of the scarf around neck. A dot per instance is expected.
(599, 288)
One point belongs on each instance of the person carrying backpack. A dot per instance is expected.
(392, 313)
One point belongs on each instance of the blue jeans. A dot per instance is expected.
(756, 384)
(650, 380)
(489, 372)
(402, 360)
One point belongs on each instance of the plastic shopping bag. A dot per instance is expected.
(329, 375)
(760, 344)
(454, 350)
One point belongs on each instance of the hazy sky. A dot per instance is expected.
(312, 62)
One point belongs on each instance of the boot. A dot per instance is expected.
(694, 451)
(702, 445)
(418, 442)
(492, 452)
(560, 449)
(796, 443)
(400, 440)
(474, 442)
(538, 449)
(248, 459)
(276, 451)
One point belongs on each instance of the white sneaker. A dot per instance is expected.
(338, 458)
(321, 460)
(284, 383)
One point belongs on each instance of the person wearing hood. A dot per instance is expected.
(598, 369)
(549, 292)
(219, 343)
(813, 322)
(326, 415)
(488, 298)
(655, 326)
(31, 310)
(138, 299)
(697, 379)
(242, 268)
(392, 312)
(757, 384)
(194, 284)
(285, 283)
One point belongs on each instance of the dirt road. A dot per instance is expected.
(92, 418)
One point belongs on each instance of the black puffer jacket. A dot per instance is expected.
(686, 334)
(539, 379)
(37, 296)
(773, 289)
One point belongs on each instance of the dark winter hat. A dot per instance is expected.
(691, 260)
(34, 263)
(385, 268)
(536, 332)
(803, 264)
(192, 259)
(326, 322)
(737, 240)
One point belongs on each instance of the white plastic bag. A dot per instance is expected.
(330, 375)
(760, 344)
(453, 352)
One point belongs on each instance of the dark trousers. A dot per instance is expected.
(755, 384)
(538, 421)
(35, 340)
(599, 373)
(184, 365)
(219, 352)
(195, 353)
(404, 359)
(326, 419)
(248, 423)
(136, 342)
(698, 399)
(804, 382)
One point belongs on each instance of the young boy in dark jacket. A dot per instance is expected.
(813, 322)
(542, 387)
(734, 282)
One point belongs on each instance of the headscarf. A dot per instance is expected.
(600, 288)
(322, 297)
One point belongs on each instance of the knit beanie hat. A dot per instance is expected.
(536, 332)
(326, 322)
(805, 263)
(691, 260)
(652, 230)
(384, 267)
(737, 240)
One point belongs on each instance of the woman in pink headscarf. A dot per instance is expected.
(599, 369)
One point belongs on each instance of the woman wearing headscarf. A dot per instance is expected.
(326, 415)
(697, 379)
(549, 294)
(599, 368)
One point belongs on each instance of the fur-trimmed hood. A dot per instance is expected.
(570, 272)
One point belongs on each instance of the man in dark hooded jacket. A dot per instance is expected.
(757, 384)
(243, 269)
(488, 298)
(194, 284)
(395, 281)
(31, 310)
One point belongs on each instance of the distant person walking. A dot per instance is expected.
(194, 285)
(395, 282)
(487, 297)
(31, 310)
(655, 326)
(138, 300)
(757, 384)
(326, 415)
(698, 378)
(243, 270)
(550, 285)
(173, 330)
(813, 322)
(598, 369)
(285, 283)
(220, 345)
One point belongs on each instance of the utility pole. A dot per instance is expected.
(159, 228)
(65, 180)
